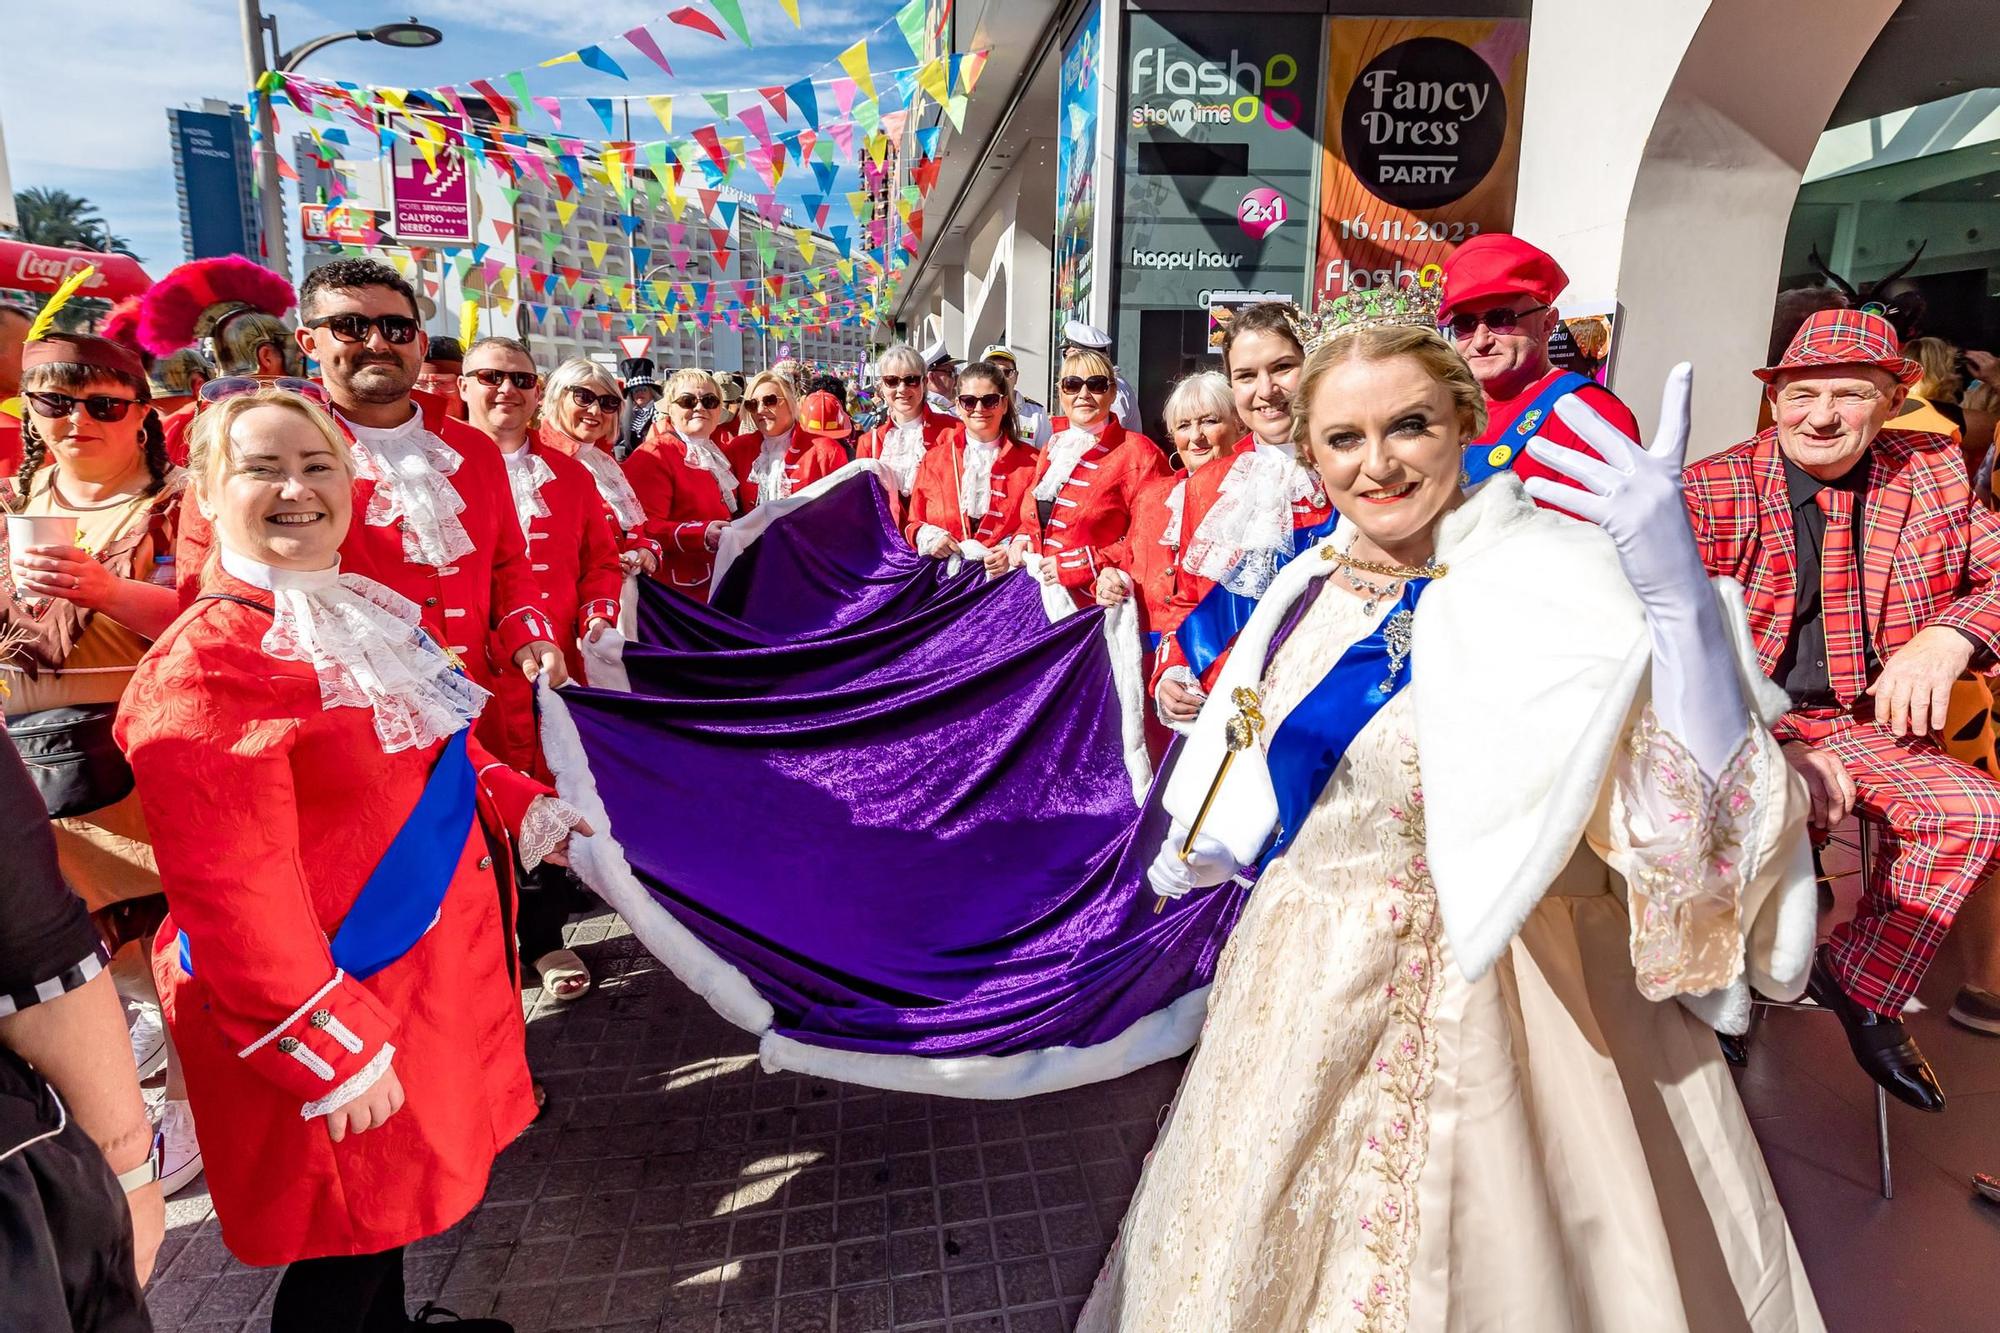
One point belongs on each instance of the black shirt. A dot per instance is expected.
(47, 944)
(1802, 667)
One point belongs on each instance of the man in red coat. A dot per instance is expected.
(1870, 579)
(1499, 310)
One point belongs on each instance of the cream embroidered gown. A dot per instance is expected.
(1365, 1140)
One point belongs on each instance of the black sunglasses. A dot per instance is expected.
(687, 402)
(989, 401)
(768, 401)
(101, 406)
(523, 380)
(603, 402)
(899, 381)
(1502, 320)
(1077, 384)
(348, 327)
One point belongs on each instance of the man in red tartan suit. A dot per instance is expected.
(1869, 575)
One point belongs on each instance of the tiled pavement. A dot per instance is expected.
(673, 1187)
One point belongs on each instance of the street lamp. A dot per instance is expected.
(409, 36)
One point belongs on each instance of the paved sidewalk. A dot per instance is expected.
(674, 1186)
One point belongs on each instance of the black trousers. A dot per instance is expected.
(65, 1231)
(361, 1293)
(549, 894)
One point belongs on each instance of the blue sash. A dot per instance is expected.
(1221, 614)
(405, 890)
(1309, 743)
(1484, 460)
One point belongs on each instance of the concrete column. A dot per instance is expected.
(1033, 267)
(1661, 158)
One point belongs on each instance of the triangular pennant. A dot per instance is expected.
(732, 14)
(910, 19)
(642, 41)
(753, 120)
(663, 108)
(931, 78)
(597, 251)
(694, 18)
(969, 70)
(596, 58)
(855, 61)
(602, 106)
(719, 103)
(552, 107)
(806, 100)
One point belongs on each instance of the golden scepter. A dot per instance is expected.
(1238, 735)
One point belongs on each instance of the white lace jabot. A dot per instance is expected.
(365, 644)
(702, 453)
(1247, 533)
(412, 470)
(1065, 452)
(975, 477)
(769, 474)
(527, 473)
(903, 449)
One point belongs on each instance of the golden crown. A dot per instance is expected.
(1413, 305)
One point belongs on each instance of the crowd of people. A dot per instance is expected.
(282, 584)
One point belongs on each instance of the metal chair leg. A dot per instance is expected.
(1882, 1140)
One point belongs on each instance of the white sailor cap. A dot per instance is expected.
(1079, 334)
(937, 355)
(999, 351)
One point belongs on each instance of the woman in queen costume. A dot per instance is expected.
(1510, 784)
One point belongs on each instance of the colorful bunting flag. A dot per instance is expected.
(694, 18)
(642, 42)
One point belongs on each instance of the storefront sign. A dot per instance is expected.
(1223, 308)
(1076, 171)
(341, 224)
(1218, 156)
(1422, 144)
(431, 199)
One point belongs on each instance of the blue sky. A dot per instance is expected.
(84, 106)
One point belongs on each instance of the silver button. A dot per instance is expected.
(320, 1018)
(288, 1044)
(485, 863)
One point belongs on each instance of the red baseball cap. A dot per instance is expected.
(822, 414)
(1845, 337)
(1496, 264)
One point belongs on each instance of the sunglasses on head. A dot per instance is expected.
(349, 327)
(523, 380)
(968, 401)
(902, 381)
(101, 406)
(1078, 383)
(768, 401)
(1503, 320)
(231, 386)
(687, 402)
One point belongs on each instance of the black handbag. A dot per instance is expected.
(75, 763)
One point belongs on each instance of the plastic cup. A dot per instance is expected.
(26, 530)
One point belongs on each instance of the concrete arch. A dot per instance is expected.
(1683, 222)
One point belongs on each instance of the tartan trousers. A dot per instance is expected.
(1939, 839)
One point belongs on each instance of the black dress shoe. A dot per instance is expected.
(1735, 1048)
(1881, 1046)
(434, 1315)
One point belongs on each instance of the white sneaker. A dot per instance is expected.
(148, 1031)
(180, 1153)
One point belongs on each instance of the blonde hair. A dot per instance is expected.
(208, 435)
(578, 370)
(1939, 360)
(899, 354)
(1427, 347)
(1086, 361)
(786, 389)
(689, 377)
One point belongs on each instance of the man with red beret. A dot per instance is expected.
(1499, 310)
(1870, 580)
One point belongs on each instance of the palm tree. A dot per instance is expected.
(66, 221)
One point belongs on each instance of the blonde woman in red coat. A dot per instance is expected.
(1080, 506)
(910, 428)
(783, 456)
(579, 419)
(685, 482)
(968, 492)
(333, 969)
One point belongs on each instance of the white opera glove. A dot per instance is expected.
(1636, 496)
(1210, 865)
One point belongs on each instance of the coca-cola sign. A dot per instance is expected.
(42, 268)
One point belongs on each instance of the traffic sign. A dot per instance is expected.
(635, 345)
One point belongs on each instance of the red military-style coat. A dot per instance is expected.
(681, 500)
(808, 458)
(573, 558)
(1093, 510)
(485, 608)
(268, 812)
(626, 538)
(1145, 556)
(934, 497)
(1929, 553)
(1203, 489)
(937, 428)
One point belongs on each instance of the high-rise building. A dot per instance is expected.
(212, 170)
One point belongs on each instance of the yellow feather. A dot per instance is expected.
(12, 407)
(46, 321)
(468, 323)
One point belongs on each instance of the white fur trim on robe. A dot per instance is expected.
(1529, 663)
